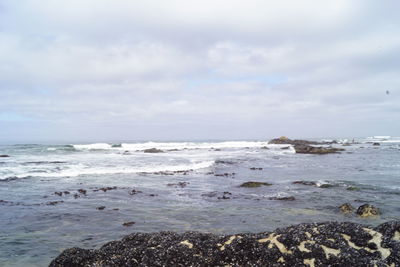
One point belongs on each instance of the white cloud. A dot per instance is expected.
(210, 62)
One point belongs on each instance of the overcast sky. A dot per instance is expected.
(98, 70)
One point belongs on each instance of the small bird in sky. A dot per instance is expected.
(387, 92)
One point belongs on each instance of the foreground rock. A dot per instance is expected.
(367, 210)
(317, 244)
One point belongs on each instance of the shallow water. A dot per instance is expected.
(35, 226)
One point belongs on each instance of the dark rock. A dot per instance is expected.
(76, 196)
(218, 195)
(66, 192)
(82, 191)
(185, 172)
(180, 184)
(291, 198)
(225, 174)
(346, 208)
(153, 195)
(285, 147)
(283, 140)
(254, 184)
(353, 188)
(128, 223)
(134, 192)
(218, 161)
(58, 193)
(153, 150)
(105, 189)
(306, 149)
(52, 203)
(314, 244)
(255, 169)
(325, 185)
(311, 183)
(101, 208)
(367, 210)
(376, 144)
(4, 156)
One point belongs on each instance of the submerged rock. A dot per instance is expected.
(179, 184)
(254, 184)
(291, 198)
(353, 188)
(376, 144)
(4, 156)
(82, 191)
(367, 210)
(128, 223)
(310, 183)
(314, 244)
(346, 208)
(153, 150)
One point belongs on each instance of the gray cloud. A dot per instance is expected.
(188, 69)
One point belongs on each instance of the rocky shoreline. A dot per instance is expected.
(314, 244)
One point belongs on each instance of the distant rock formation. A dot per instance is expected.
(305, 146)
(153, 150)
(314, 244)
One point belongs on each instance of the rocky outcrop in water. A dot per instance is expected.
(254, 184)
(306, 149)
(283, 140)
(305, 146)
(153, 150)
(367, 210)
(315, 244)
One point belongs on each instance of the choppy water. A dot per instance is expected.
(36, 223)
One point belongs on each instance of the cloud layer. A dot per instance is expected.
(120, 70)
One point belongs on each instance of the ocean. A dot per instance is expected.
(54, 197)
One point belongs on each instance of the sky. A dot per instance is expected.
(99, 70)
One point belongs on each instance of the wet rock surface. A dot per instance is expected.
(306, 149)
(346, 208)
(283, 140)
(305, 146)
(254, 184)
(367, 210)
(315, 244)
(153, 150)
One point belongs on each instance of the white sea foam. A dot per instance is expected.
(81, 169)
(172, 145)
(93, 146)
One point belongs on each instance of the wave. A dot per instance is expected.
(171, 145)
(96, 146)
(84, 170)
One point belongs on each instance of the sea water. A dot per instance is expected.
(54, 197)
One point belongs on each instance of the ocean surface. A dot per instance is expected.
(54, 197)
